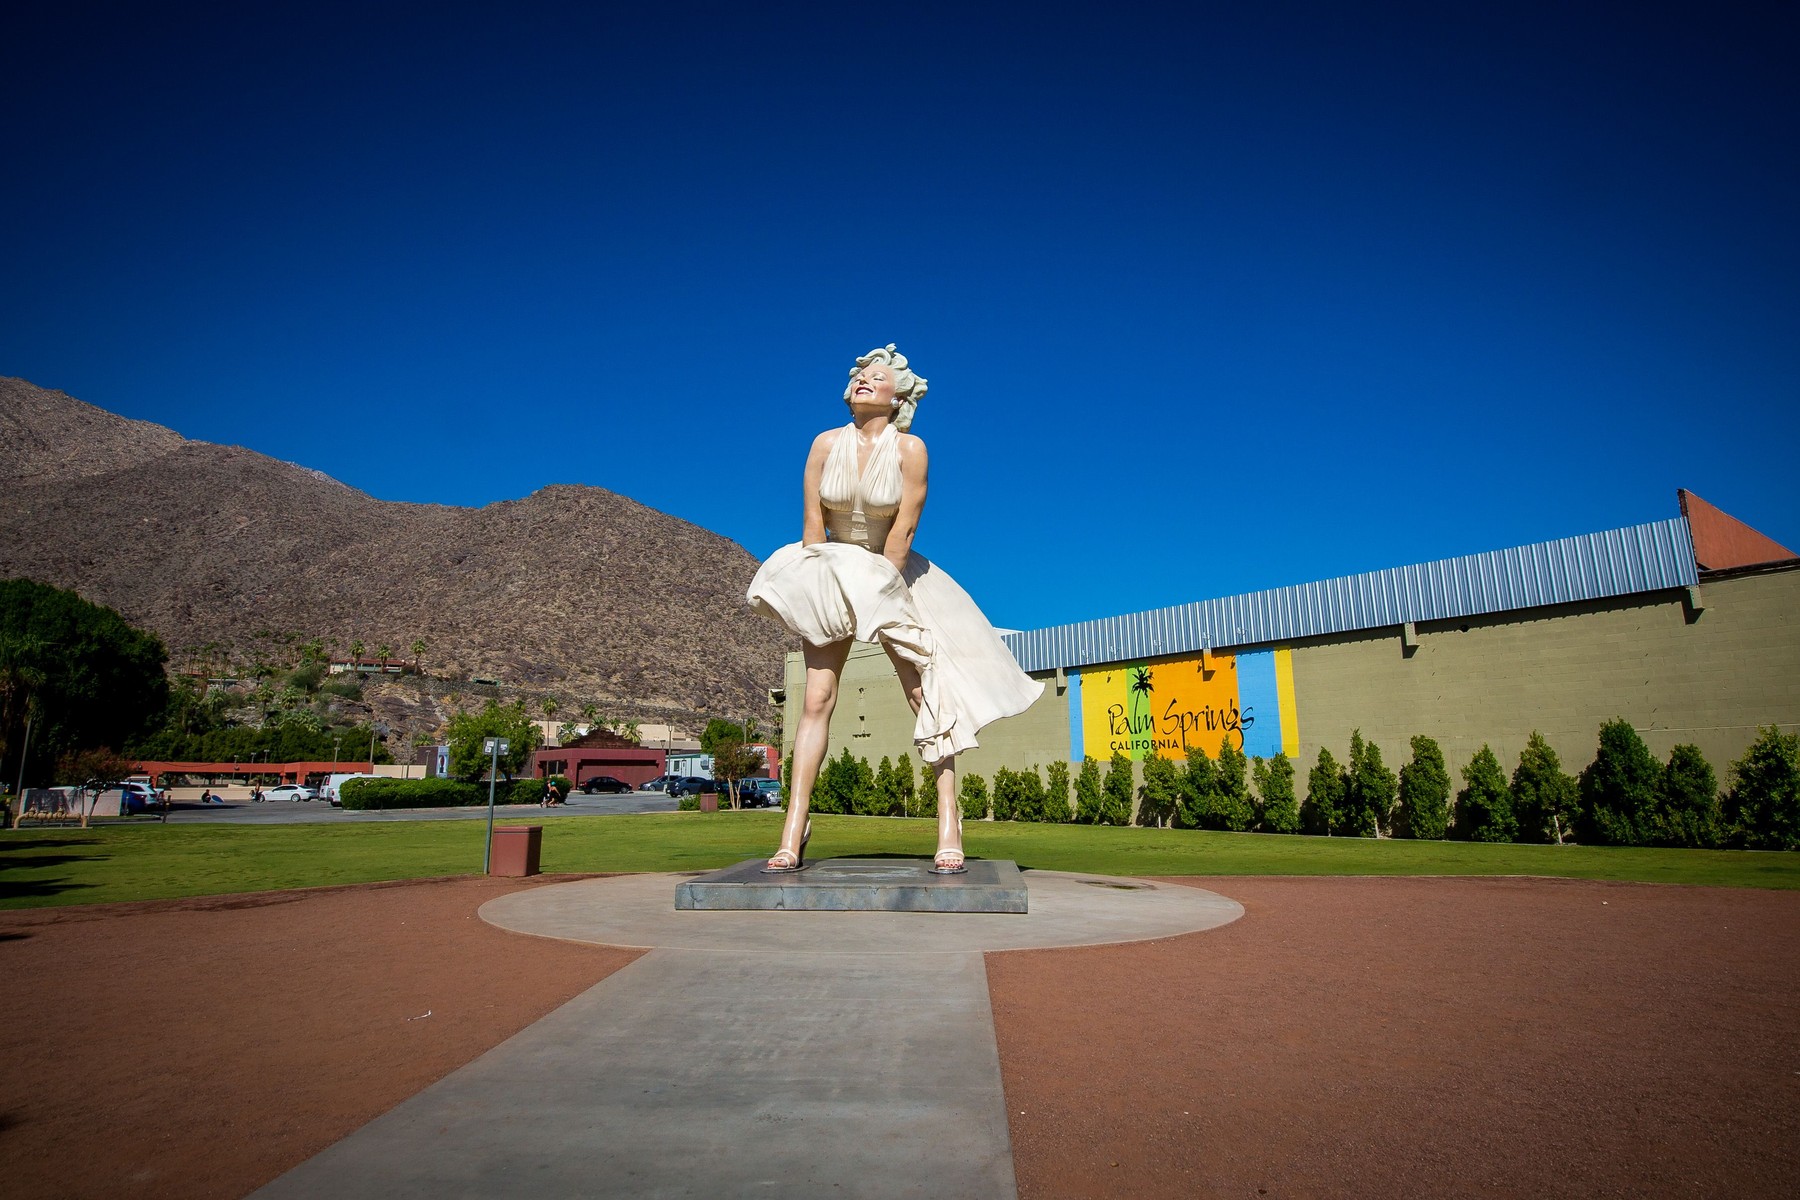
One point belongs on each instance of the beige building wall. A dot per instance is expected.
(1712, 681)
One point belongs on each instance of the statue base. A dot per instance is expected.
(859, 885)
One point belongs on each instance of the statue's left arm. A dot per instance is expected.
(912, 501)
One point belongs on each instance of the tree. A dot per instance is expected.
(973, 798)
(1161, 792)
(906, 784)
(1056, 792)
(1370, 790)
(718, 730)
(1618, 789)
(1762, 808)
(550, 706)
(1687, 795)
(467, 732)
(1323, 810)
(1115, 808)
(1424, 793)
(1546, 801)
(356, 649)
(1030, 806)
(418, 653)
(1484, 810)
(1194, 806)
(733, 761)
(1231, 794)
(384, 652)
(1275, 790)
(100, 763)
(1088, 798)
(589, 711)
(77, 673)
(886, 791)
(843, 779)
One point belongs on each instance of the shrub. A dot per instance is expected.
(687, 802)
(1006, 795)
(1370, 790)
(1546, 802)
(1194, 807)
(1231, 793)
(839, 782)
(1161, 793)
(1323, 810)
(1424, 794)
(1115, 792)
(522, 791)
(1687, 796)
(563, 784)
(1279, 811)
(418, 793)
(906, 786)
(1484, 810)
(973, 798)
(1088, 799)
(1762, 809)
(1618, 789)
(1031, 795)
(882, 798)
(1056, 792)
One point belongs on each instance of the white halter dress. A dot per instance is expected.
(845, 588)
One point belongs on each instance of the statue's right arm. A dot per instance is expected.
(812, 521)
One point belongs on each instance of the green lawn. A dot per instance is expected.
(149, 861)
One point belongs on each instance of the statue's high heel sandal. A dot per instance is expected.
(785, 861)
(949, 862)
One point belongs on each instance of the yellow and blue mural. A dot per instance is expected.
(1163, 707)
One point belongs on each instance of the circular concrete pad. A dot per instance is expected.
(1066, 910)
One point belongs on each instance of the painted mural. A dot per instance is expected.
(1162, 707)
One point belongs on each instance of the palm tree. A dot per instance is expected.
(356, 649)
(549, 707)
(382, 652)
(418, 651)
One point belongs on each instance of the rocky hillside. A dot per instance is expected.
(570, 592)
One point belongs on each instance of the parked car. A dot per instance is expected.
(332, 792)
(690, 785)
(291, 791)
(604, 783)
(758, 793)
(661, 783)
(137, 798)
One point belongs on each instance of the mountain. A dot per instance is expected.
(230, 555)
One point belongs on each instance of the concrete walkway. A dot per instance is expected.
(749, 1053)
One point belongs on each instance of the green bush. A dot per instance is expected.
(1115, 792)
(1030, 806)
(1056, 793)
(1006, 794)
(1687, 808)
(973, 798)
(1484, 811)
(1762, 809)
(1161, 793)
(1618, 789)
(1089, 801)
(878, 795)
(1193, 807)
(1424, 794)
(563, 784)
(907, 790)
(1322, 811)
(1278, 810)
(1369, 790)
(687, 802)
(1231, 792)
(840, 782)
(436, 793)
(1546, 802)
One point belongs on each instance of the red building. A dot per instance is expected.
(599, 752)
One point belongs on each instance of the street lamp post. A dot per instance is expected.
(495, 748)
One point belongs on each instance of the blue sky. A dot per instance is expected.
(1209, 301)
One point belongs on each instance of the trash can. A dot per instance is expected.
(516, 849)
(709, 802)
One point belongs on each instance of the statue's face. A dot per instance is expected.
(872, 387)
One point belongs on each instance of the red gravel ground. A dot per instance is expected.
(1348, 1037)
(199, 1048)
(1417, 1037)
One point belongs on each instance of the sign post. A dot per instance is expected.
(495, 748)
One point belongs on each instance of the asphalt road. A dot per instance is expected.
(317, 812)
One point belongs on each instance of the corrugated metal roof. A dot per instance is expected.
(1617, 562)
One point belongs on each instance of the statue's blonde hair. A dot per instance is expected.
(909, 388)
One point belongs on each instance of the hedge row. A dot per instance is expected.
(436, 793)
(1624, 797)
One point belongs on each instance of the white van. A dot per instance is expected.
(334, 782)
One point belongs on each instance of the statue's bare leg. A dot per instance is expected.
(949, 811)
(824, 664)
